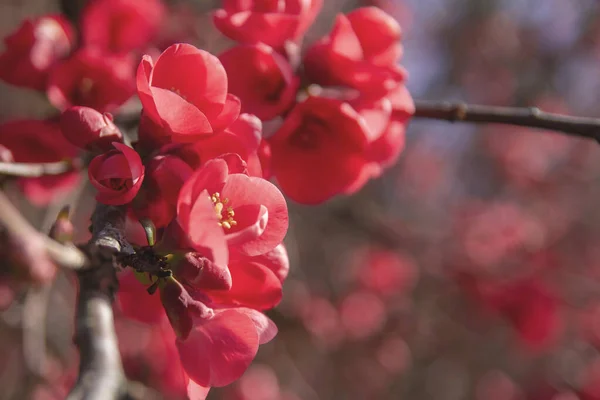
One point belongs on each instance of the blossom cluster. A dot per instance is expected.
(341, 109)
(197, 174)
(92, 68)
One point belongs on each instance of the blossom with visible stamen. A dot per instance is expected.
(251, 210)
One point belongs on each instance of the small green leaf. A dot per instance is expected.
(150, 230)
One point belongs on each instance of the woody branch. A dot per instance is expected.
(101, 373)
(531, 117)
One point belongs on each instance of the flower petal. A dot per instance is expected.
(185, 121)
(218, 351)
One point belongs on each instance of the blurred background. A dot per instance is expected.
(470, 270)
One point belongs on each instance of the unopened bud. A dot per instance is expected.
(88, 129)
(62, 229)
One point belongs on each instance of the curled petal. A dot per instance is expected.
(247, 191)
(266, 328)
(251, 224)
(231, 111)
(133, 159)
(144, 73)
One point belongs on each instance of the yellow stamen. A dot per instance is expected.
(226, 221)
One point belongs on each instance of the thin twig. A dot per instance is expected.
(101, 375)
(36, 170)
(34, 330)
(531, 117)
(17, 226)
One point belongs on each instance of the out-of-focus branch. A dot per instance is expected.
(531, 117)
(35, 170)
(35, 306)
(18, 227)
(101, 374)
(35, 309)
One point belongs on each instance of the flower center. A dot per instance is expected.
(225, 214)
(310, 133)
(117, 183)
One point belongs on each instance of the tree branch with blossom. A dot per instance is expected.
(101, 373)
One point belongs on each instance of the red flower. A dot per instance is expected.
(32, 141)
(33, 49)
(215, 345)
(218, 350)
(251, 211)
(88, 129)
(91, 79)
(157, 199)
(361, 52)
(117, 175)
(185, 93)
(266, 21)
(320, 150)
(266, 84)
(121, 26)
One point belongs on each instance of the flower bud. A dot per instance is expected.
(62, 229)
(266, 85)
(157, 199)
(88, 129)
(117, 175)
